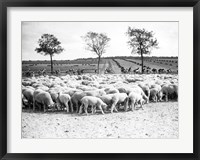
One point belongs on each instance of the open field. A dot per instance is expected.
(157, 120)
(115, 64)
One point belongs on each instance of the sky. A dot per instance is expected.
(70, 33)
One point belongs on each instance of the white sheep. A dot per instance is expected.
(134, 99)
(93, 102)
(111, 90)
(28, 95)
(141, 92)
(119, 98)
(43, 98)
(63, 100)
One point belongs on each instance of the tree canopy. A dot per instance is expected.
(49, 45)
(141, 41)
(96, 42)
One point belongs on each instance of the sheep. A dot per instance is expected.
(119, 98)
(111, 90)
(146, 90)
(175, 90)
(92, 101)
(126, 90)
(76, 98)
(30, 87)
(156, 94)
(133, 99)
(54, 96)
(85, 88)
(44, 88)
(169, 91)
(141, 92)
(71, 91)
(24, 101)
(63, 99)
(156, 86)
(95, 93)
(85, 77)
(28, 94)
(44, 98)
(108, 99)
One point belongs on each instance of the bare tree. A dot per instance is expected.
(97, 43)
(49, 45)
(141, 41)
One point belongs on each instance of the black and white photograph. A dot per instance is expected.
(100, 79)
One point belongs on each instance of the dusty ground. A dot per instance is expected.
(157, 120)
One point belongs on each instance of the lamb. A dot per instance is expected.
(92, 101)
(135, 98)
(63, 100)
(43, 98)
(28, 94)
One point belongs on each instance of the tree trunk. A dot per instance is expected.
(142, 62)
(51, 64)
(99, 58)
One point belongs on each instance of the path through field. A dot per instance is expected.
(103, 66)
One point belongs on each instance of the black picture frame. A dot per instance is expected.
(98, 3)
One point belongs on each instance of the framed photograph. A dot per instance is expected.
(99, 79)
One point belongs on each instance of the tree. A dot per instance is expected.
(97, 43)
(49, 45)
(141, 41)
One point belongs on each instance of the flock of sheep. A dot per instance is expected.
(89, 93)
